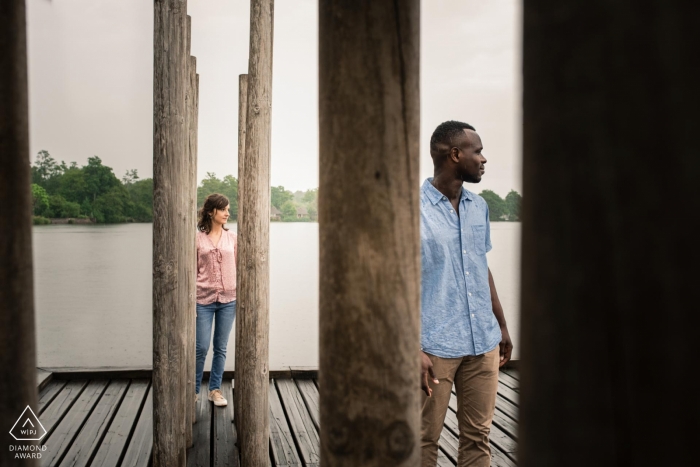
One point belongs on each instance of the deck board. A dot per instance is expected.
(109, 423)
(88, 440)
(60, 405)
(282, 447)
(140, 448)
(303, 429)
(199, 455)
(61, 438)
(225, 451)
(115, 441)
(49, 393)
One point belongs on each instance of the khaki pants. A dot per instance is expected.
(476, 384)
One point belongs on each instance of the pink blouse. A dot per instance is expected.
(216, 268)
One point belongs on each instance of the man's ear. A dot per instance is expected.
(454, 155)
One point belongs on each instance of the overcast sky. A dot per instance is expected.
(91, 83)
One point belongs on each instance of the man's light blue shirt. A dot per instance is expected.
(456, 313)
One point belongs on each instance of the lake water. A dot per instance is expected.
(93, 293)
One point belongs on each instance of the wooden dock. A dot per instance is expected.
(108, 422)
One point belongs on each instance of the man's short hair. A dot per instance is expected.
(446, 132)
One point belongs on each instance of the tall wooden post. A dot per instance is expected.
(252, 374)
(170, 146)
(609, 285)
(242, 109)
(369, 232)
(189, 247)
(18, 356)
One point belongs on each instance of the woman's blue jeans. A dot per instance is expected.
(221, 316)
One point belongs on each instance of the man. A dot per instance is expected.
(464, 337)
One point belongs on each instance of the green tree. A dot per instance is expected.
(513, 201)
(497, 206)
(130, 177)
(279, 196)
(227, 187)
(99, 179)
(289, 211)
(141, 195)
(60, 207)
(40, 199)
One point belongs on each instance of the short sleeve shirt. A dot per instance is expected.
(216, 268)
(457, 317)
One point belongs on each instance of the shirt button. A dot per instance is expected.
(464, 251)
(470, 294)
(472, 315)
(467, 273)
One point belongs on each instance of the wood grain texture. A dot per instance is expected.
(189, 248)
(282, 445)
(170, 147)
(300, 423)
(242, 110)
(609, 262)
(61, 438)
(225, 451)
(139, 452)
(61, 404)
(369, 232)
(48, 394)
(199, 455)
(18, 357)
(114, 443)
(253, 294)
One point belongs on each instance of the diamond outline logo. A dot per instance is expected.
(21, 417)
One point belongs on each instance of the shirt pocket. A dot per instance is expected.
(479, 234)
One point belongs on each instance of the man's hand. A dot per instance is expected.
(425, 371)
(506, 346)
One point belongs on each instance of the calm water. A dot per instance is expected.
(93, 293)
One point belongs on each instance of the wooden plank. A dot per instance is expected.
(281, 441)
(505, 423)
(116, 440)
(48, 394)
(450, 444)
(300, 422)
(67, 429)
(507, 407)
(225, 452)
(504, 440)
(509, 381)
(512, 372)
(91, 433)
(310, 394)
(508, 393)
(443, 460)
(65, 399)
(43, 377)
(199, 455)
(140, 447)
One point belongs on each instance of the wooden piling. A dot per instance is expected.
(18, 356)
(610, 168)
(189, 247)
(253, 294)
(242, 109)
(369, 232)
(170, 146)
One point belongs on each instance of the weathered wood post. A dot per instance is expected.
(192, 226)
(18, 356)
(609, 281)
(253, 294)
(369, 232)
(189, 247)
(242, 109)
(170, 146)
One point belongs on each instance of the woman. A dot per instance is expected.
(216, 290)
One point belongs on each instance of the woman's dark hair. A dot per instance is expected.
(213, 201)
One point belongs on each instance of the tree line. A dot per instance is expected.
(500, 209)
(93, 192)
